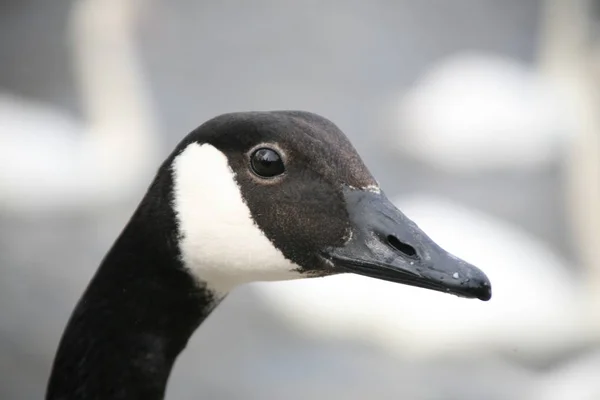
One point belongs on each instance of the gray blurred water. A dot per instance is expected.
(342, 59)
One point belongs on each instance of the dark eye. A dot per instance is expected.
(266, 163)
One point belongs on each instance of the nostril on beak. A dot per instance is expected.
(404, 248)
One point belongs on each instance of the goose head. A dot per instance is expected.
(264, 196)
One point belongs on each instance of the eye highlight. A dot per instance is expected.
(266, 163)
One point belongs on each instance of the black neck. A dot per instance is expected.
(134, 318)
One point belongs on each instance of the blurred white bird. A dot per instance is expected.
(49, 160)
(481, 112)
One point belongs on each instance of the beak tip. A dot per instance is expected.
(484, 291)
(485, 294)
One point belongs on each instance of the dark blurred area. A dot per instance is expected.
(478, 117)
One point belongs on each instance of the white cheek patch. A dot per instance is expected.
(220, 242)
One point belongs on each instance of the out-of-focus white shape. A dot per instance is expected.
(569, 57)
(50, 161)
(476, 111)
(531, 310)
(577, 380)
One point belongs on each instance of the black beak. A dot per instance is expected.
(385, 244)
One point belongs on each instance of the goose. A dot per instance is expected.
(245, 197)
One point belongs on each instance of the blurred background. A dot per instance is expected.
(480, 119)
